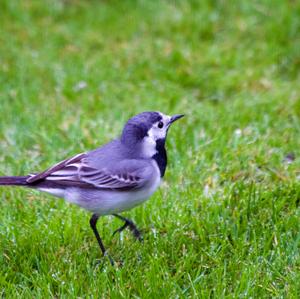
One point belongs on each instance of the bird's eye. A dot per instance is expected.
(160, 124)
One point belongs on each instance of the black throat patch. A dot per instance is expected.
(161, 156)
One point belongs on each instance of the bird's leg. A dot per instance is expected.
(93, 224)
(131, 225)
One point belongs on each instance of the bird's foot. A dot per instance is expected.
(136, 233)
(120, 229)
(128, 223)
(112, 262)
(101, 261)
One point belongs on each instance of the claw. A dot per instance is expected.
(137, 234)
(101, 261)
(110, 259)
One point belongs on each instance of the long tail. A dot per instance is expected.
(13, 180)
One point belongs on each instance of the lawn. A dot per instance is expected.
(226, 221)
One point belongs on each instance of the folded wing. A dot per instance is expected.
(80, 172)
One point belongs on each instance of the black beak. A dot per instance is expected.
(176, 117)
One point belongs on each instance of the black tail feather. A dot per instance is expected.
(13, 180)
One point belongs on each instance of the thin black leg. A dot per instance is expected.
(131, 225)
(93, 224)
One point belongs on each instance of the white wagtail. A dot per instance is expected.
(113, 178)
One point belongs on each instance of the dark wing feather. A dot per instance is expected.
(78, 172)
(118, 179)
(63, 165)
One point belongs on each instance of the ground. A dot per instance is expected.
(225, 222)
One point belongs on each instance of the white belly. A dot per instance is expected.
(105, 202)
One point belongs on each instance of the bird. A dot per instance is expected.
(113, 178)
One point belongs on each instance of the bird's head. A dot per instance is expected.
(146, 130)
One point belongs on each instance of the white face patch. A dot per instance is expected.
(157, 131)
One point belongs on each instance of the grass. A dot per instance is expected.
(225, 222)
